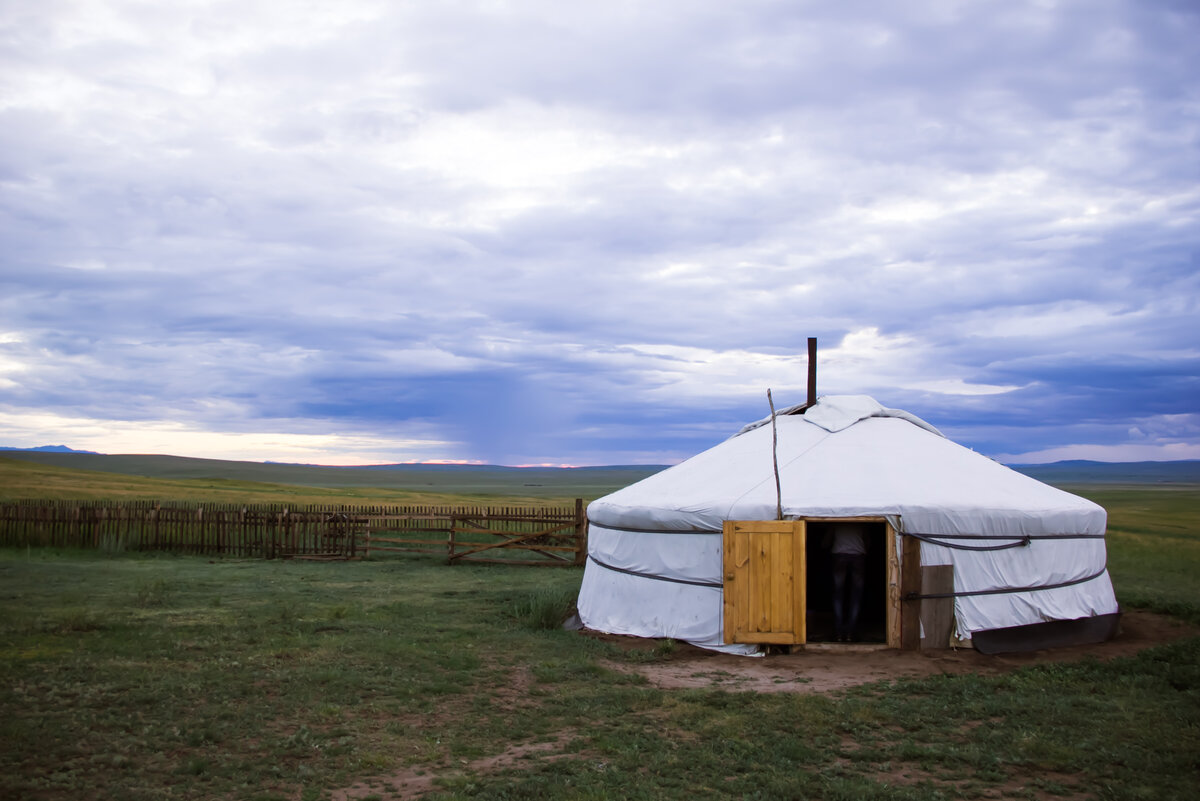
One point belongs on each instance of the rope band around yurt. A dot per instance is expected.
(654, 530)
(912, 596)
(1021, 542)
(640, 574)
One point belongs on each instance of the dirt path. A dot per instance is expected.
(837, 667)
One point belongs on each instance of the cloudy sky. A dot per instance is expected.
(595, 233)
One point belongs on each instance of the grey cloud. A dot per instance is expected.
(243, 220)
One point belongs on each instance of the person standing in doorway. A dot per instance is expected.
(849, 552)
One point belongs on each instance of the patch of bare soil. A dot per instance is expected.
(830, 667)
(1021, 787)
(416, 781)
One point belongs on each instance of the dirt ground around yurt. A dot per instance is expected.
(826, 668)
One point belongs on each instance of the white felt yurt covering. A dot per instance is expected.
(655, 562)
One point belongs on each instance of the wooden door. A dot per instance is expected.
(764, 581)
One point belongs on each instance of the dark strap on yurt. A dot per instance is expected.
(1019, 542)
(655, 530)
(639, 574)
(912, 596)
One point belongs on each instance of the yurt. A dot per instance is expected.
(729, 549)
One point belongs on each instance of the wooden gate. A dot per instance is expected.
(764, 583)
(543, 539)
(509, 535)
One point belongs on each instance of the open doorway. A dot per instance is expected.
(871, 625)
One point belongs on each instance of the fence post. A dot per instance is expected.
(277, 537)
(581, 532)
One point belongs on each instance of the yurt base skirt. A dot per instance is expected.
(1051, 634)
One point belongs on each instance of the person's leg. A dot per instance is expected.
(857, 569)
(840, 568)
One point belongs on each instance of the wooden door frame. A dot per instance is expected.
(893, 621)
(900, 629)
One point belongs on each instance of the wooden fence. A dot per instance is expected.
(507, 535)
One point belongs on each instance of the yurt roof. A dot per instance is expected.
(848, 456)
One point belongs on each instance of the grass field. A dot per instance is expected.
(148, 677)
(1153, 545)
(88, 476)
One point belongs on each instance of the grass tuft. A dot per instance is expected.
(546, 608)
(78, 619)
(152, 593)
(662, 650)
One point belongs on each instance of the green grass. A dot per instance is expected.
(1153, 545)
(127, 676)
(139, 676)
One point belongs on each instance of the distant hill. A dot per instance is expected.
(587, 482)
(45, 449)
(572, 482)
(1086, 472)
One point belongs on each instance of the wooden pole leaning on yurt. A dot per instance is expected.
(775, 459)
